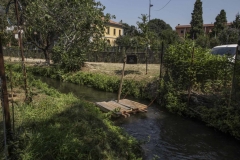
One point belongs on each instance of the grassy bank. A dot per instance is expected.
(207, 103)
(60, 126)
(131, 86)
(207, 76)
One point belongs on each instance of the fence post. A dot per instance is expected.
(146, 57)
(120, 86)
(4, 97)
(233, 90)
(161, 61)
(21, 50)
(191, 76)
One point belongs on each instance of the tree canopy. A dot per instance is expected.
(158, 26)
(73, 27)
(148, 33)
(220, 23)
(197, 20)
(162, 31)
(129, 30)
(236, 22)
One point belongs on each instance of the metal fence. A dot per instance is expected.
(115, 54)
(28, 53)
(110, 54)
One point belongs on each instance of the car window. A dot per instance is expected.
(229, 51)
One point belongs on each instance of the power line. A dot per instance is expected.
(164, 6)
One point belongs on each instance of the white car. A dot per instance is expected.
(228, 50)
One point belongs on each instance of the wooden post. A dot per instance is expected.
(191, 77)
(120, 86)
(233, 90)
(161, 61)
(4, 97)
(21, 49)
(147, 59)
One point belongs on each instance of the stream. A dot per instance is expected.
(164, 135)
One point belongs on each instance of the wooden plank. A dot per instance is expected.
(132, 104)
(114, 103)
(124, 107)
(113, 106)
(103, 106)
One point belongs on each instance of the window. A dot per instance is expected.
(108, 30)
(182, 31)
(114, 32)
(120, 32)
(229, 51)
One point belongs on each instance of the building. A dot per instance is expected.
(113, 31)
(183, 30)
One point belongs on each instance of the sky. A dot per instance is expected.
(175, 11)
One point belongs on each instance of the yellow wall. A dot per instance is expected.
(111, 37)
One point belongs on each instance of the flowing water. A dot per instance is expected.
(164, 135)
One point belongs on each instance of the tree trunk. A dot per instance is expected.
(47, 56)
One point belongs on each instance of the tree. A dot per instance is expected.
(158, 25)
(197, 20)
(6, 36)
(220, 23)
(147, 35)
(203, 41)
(74, 27)
(236, 22)
(129, 30)
(228, 36)
(163, 31)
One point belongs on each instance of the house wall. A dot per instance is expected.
(112, 32)
(183, 30)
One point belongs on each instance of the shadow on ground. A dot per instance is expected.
(77, 133)
(119, 72)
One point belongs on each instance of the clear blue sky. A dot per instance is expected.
(174, 13)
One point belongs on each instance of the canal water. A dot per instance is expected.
(165, 136)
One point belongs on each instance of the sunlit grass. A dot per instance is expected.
(60, 126)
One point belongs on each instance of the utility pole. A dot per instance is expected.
(150, 5)
(148, 44)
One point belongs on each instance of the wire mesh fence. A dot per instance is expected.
(28, 53)
(115, 54)
(110, 54)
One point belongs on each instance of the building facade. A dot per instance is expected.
(183, 30)
(113, 31)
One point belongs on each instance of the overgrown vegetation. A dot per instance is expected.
(95, 80)
(59, 126)
(196, 84)
(202, 85)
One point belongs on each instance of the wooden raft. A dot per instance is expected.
(125, 107)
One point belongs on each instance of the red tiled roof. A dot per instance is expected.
(183, 26)
(204, 25)
(113, 22)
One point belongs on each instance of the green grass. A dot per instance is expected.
(60, 126)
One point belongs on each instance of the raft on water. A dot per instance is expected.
(122, 108)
